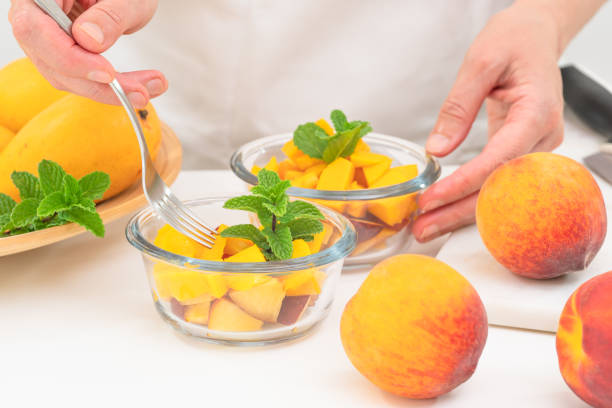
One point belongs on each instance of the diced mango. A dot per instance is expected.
(216, 285)
(250, 254)
(215, 253)
(173, 241)
(291, 150)
(245, 281)
(197, 313)
(306, 282)
(316, 244)
(231, 245)
(395, 210)
(334, 205)
(307, 180)
(362, 146)
(272, 165)
(303, 161)
(300, 248)
(338, 175)
(285, 166)
(255, 169)
(317, 169)
(179, 283)
(323, 124)
(356, 209)
(293, 174)
(359, 177)
(361, 159)
(376, 171)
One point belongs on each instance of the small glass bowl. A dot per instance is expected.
(236, 303)
(382, 216)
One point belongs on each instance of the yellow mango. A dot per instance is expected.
(245, 281)
(323, 124)
(306, 282)
(250, 254)
(197, 313)
(307, 180)
(293, 174)
(272, 165)
(217, 285)
(319, 238)
(6, 135)
(285, 166)
(356, 209)
(179, 283)
(338, 175)
(362, 146)
(395, 210)
(255, 169)
(82, 136)
(173, 241)
(300, 248)
(24, 93)
(317, 169)
(291, 150)
(303, 161)
(361, 159)
(374, 172)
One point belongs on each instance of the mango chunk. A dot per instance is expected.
(216, 285)
(300, 248)
(255, 169)
(397, 175)
(291, 150)
(197, 313)
(306, 282)
(284, 167)
(319, 239)
(317, 169)
(395, 210)
(338, 175)
(173, 241)
(293, 174)
(307, 180)
(179, 283)
(250, 254)
(231, 245)
(245, 281)
(323, 124)
(361, 159)
(356, 209)
(303, 161)
(376, 171)
(272, 165)
(362, 146)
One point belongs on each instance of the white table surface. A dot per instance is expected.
(79, 329)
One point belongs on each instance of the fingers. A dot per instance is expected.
(99, 27)
(438, 222)
(518, 136)
(477, 76)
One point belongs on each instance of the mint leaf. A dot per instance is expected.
(72, 190)
(51, 176)
(301, 209)
(89, 220)
(280, 241)
(311, 139)
(267, 179)
(28, 185)
(87, 204)
(5, 220)
(24, 213)
(279, 189)
(52, 204)
(262, 192)
(246, 203)
(94, 185)
(304, 227)
(280, 208)
(6, 204)
(343, 144)
(247, 231)
(339, 120)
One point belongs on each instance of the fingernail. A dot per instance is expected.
(100, 76)
(429, 232)
(137, 99)
(155, 87)
(432, 205)
(94, 31)
(437, 143)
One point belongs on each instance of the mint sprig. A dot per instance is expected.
(54, 198)
(282, 221)
(314, 142)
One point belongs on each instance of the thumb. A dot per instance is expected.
(99, 27)
(475, 80)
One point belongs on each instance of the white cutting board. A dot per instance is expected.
(511, 300)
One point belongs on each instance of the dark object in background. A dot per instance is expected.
(592, 103)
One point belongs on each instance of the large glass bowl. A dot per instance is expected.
(382, 216)
(242, 303)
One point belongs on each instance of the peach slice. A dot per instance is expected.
(226, 316)
(293, 308)
(197, 313)
(263, 301)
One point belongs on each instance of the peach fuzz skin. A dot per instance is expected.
(416, 327)
(542, 215)
(584, 341)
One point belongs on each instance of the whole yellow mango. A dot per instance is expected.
(5, 137)
(24, 92)
(82, 136)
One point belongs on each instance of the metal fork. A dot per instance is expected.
(161, 198)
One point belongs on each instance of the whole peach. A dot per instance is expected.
(584, 341)
(415, 328)
(541, 215)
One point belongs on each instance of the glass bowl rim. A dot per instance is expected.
(339, 250)
(427, 177)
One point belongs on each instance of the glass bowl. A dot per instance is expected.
(382, 216)
(241, 303)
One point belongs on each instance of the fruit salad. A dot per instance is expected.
(336, 158)
(242, 302)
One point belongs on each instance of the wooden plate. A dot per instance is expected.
(168, 164)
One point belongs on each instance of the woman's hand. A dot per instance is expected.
(512, 65)
(75, 65)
